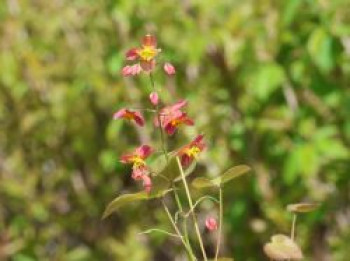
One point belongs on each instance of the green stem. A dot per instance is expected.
(191, 207)
(220, 224)
(188, 249)
(159, 231)
(176, 195)
(292, 232)
(159, 121)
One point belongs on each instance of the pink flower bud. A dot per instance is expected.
(154, 98)
(169, 68)
(147, 183)
(211, 224)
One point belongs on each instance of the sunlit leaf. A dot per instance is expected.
(123, 200)
(230, 174)
(302, 207)
(203, 183)
(282, 247)
(160, 187)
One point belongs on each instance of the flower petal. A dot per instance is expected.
(119, 114)
(149, 40)
(170, 128)
(144, 151)
(135, 69)
(132, 54)
(138, 118)
(178, 105)
(147, 66)
(126, 71)
(147, 183)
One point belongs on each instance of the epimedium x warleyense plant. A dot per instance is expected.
(161, 177)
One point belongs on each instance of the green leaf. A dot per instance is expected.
(171, 171)
(267, 78)
(160, 187)
(302, 207)
(230, 174)
(123, 200)
(203, 183)
(158, 164)
(320, 48)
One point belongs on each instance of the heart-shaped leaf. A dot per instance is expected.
(302, 207)
(282, 247)
(160, 186)
(230, 174)
(123, 200)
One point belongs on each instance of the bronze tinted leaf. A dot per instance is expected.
(302, 207)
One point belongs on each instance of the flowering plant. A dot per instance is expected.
(161, 177)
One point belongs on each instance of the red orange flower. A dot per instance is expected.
(171, 117)
(130, 115)
(137, 158)
(146, 55)
(139, 169)
(190, 151)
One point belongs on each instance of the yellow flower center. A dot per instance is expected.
(175, 122)
(129, 116)
(138, 162)
(193, 151)
(147, 53)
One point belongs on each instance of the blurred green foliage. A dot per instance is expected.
(267, 82)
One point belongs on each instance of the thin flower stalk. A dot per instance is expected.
(189, 198)
(218, 241)
(163, 144)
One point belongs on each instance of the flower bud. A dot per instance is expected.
(211, 224)
(169, 68)
(154, 98)
(147, 183)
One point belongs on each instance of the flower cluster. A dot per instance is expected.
(145, 55)
(168, 118)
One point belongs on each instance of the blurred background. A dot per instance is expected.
(267, 82)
